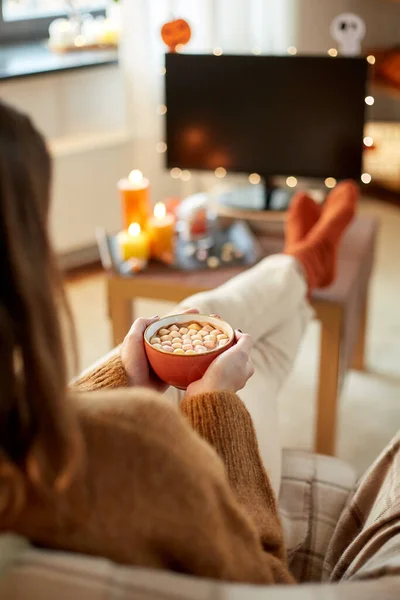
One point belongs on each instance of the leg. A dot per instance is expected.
(259, 300)
(359, 351)
(120, 311)
(329, 375)
(273, 358)
(269, 302)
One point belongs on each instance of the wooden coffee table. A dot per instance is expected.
(342, 309)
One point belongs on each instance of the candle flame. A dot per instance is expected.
(135, 176)
(134, 229)
(159, 210)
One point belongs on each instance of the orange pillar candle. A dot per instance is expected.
(134, 243)
(135, 199)
(162, 231)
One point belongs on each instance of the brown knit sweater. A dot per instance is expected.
(153, 491)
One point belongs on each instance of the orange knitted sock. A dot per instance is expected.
(317, 252)
(303, 213)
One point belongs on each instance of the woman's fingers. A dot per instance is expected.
(241, 350)
(244, 342)
(249, 369)
(238, 358)
(140, 325)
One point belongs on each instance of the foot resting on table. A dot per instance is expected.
(313, 234)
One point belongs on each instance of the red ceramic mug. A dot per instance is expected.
(179, 370)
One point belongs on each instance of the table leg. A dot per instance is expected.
(329, 377)
(120, 310)
(358, 362)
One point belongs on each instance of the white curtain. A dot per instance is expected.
(237, 26)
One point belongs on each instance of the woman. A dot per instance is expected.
(123, 473)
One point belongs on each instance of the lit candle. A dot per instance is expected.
(135, 199)
(134, 243)
(162, 231)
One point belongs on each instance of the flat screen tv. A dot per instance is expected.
(273, 115)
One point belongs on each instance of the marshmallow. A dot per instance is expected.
(210, 338)
(208, 328)
(209, 344)
(190, 339)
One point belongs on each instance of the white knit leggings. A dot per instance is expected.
(268, 301)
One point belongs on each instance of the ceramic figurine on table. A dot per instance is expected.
(348, 30)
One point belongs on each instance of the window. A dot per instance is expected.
(22, 20)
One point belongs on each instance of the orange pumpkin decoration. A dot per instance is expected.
(176, 33)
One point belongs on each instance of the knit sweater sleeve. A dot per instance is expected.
(107, 373)
(224, 422)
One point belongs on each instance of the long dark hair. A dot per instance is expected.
(38, 435)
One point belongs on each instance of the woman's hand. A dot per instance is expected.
(134, 357)
(229, 372)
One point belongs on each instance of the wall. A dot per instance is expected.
(382, 19)
(82, 114)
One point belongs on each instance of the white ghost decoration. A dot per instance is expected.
(348, 30)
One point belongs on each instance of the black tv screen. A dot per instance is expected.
(273, 115)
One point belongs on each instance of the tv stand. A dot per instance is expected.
(269, 190)
(277, 198)
(258, 197)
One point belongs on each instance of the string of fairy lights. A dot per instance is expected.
(255, 178)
